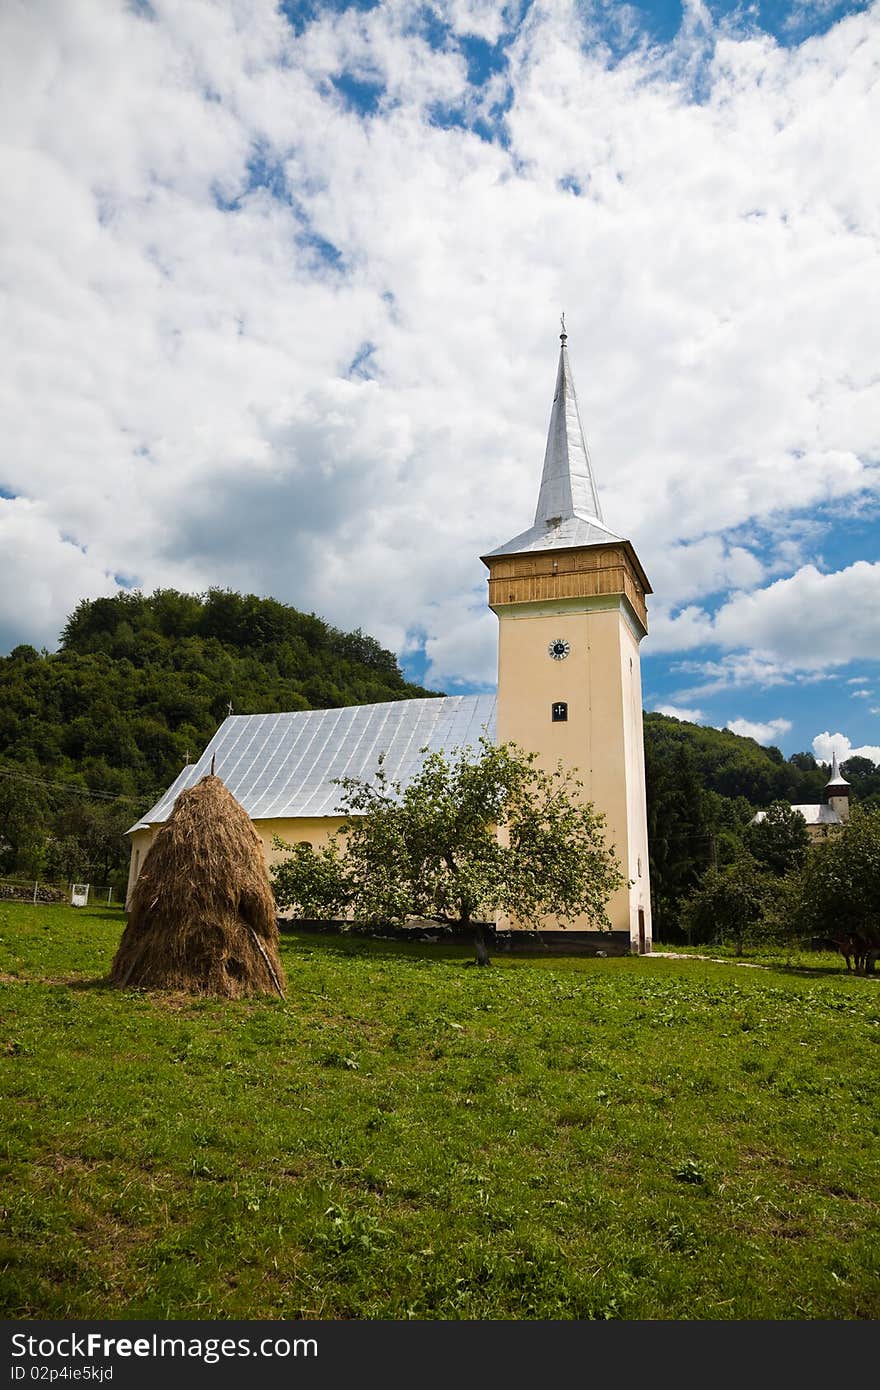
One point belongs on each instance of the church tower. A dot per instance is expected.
(570, 599)
(837, 791)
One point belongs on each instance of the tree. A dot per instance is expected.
(689, 828)
(23, 812)
(735, 766)
(97, 829)
(804, 762)
(311, 881)
(856, 768)
(780, 840)
(782, 918)
(141, 680)
(728, 905)
(65, 858)
(467, 838)
(841, 888)
(864, 775)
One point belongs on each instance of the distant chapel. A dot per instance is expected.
(570, 597)
(824, 817)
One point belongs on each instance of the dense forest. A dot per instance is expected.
(704, 786)
(90, 735)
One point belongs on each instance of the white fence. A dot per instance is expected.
(94, 894)
(33, 891)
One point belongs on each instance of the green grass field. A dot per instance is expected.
(407, 1137)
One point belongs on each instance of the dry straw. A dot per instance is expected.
(202, 913)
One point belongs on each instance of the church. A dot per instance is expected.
(570, 597)
(824, 817)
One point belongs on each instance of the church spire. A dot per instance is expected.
(836, 780)
(568, 487)
(837, 790)
(568, 515)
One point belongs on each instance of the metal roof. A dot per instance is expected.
(572, 531)
(821, 814)
(279, 765)
(568, 511)
(836, 779)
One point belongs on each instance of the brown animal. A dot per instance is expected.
(859, 949)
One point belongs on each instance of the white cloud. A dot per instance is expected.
(740, 670)
(682, 631)
(804, 10)
(769, 732)
(841, 612)
(483, 18)
(690, 716)
(861, 694)
(54, 571)
(825, 744)
(461, 644)
(703, 567)
(181, 396)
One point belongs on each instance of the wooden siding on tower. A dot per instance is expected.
(580, 573)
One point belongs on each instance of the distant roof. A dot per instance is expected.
(568, 511)
(822, 814)
(279, 765)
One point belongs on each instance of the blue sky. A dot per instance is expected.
(282, 307)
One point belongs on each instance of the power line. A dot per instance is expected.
(68, 787)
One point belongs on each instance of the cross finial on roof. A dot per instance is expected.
(563, 335)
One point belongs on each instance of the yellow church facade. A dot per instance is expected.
(570, 596)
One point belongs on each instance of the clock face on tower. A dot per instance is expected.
(559, 649)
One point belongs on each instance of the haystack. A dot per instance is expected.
(202, 913)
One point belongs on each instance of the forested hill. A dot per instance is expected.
(90, 735)
(140, 683)
(730, 765)
(687, 764)
(704, 786)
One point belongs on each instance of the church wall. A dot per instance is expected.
(293, 829)
(821, 831)
(637, 866)
(140, 843)
(601, 737)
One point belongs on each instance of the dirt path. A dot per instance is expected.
(691, 955)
